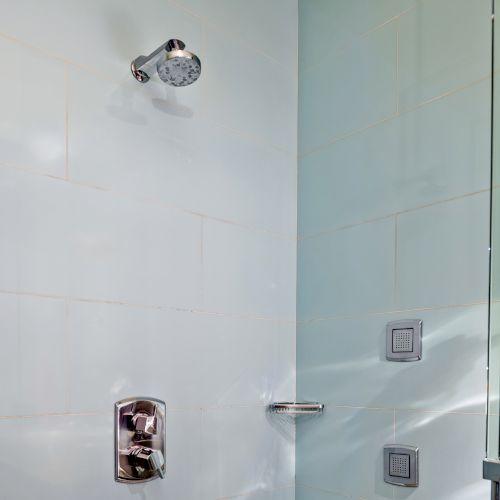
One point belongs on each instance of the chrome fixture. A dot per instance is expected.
(401, 465)
(288, 408)
(404, 340)
(491, 472)
(175, 65)
(139, 440)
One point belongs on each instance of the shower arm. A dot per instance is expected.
(141, 61)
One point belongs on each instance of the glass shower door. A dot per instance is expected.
(492, 464)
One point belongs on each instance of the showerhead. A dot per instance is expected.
(178, 67)
(175, 66)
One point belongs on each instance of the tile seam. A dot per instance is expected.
(401, 112)
(394, 214)
(357, 315)
(153, 202)
(48, 296)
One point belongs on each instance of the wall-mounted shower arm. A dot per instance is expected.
(141, 61)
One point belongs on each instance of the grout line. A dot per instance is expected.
(394, 214)
(348, 44)
(202, 409)
(259, 140)
(394, 426)
(359, 314)
(244, 495)
(19, 348)
(152, 200)
(232, 34)
(49, 296)
(397, 66)
(395, 410)
(202, 260)
(57, 414)
(256, 139)
(67, 357)
(396, 261)
(330, 492)
(56, 57)
(391, 117)
(66, 122)
(347, 135)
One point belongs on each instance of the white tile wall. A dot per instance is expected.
(248, 272)
(393, 223)
(431, 64)
(260, 24)
(33, 355)
(246, 447)
(347, 271)
(312, 493)
(249, 92)
(358, 88)
(441, 439)
(32, 121)
(148, 246)
(332, 26)
(101, 36)
(287, 493)
(71, 457)
(190, 360)
(157, 145)
(443, 253)
(404, 163)
(342, 362)
(340, 452)
(70, 240)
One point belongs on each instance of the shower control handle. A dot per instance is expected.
(144, 423)
(146, 458)
(156, 462)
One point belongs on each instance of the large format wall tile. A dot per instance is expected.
(443, 253)
(311, 493)
(145, 351)
(33, 356)
(341, 451)
(343, 362)
(69, 240)
(286, 493)
(114, 197)
(157, 145)
(249, 92)
(248, 272)
(394, 135)
(347, 271)
(450, 444)
(104, 36)
(246, 449)
(268, 27)
(443, 45)
(326, 26)
(32, 100)
(404, 163)
(72, 457)
(350, 90)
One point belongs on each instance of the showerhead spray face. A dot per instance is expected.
(176, 66)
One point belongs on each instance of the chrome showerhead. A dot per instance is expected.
(175, 66)
(178, 67)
